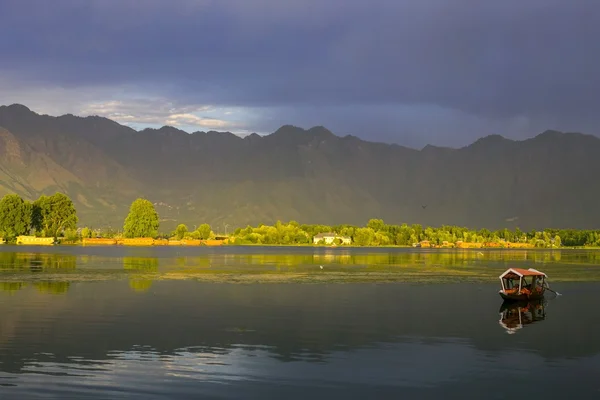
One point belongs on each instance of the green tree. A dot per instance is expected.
(557, 241)
(204, 231)
(63, 215)
(86, 232)
(71, 235)
(193, 235)
(376, 224)
(142, 220)
(381, 239)
(181, 231)
(364, 236)
(15, 216)
(39, 213)
(53, 214)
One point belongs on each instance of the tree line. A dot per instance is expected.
(378, 233)
(143, 221)
(48, 216)
(55, 216)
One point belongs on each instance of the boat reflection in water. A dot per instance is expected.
(515, 315)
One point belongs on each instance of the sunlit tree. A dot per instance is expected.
(142, 220)
(204, 231)
(15, 216)
(52, 215)
(181, 231)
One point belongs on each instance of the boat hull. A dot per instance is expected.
(521, 297)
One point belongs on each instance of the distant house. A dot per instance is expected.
(328, 238)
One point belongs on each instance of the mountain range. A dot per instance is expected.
(311, 176)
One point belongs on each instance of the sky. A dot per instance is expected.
(442, 72)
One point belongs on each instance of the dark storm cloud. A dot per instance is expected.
(536, 59)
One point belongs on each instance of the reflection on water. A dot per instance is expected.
(52, 287)
(185, 339)
(14, 258)
(35, 262)
(380, 264)
(138, 265)
(54, 270)
(24, 257)
(12, 286)
(140, 285)
(515, 315)
(142, 264)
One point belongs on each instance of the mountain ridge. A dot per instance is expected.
(310, 175)
(289, 128)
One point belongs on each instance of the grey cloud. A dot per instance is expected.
(489, 63)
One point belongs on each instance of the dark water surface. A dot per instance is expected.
(139, 337)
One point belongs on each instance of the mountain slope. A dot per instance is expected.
(312, 176)
(28, 172)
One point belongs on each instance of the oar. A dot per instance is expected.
(553, 291)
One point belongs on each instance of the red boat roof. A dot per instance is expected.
(523, 272)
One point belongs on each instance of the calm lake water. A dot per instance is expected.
(158, 323)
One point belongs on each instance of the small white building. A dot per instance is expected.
(328, 238)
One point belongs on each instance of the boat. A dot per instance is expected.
(520, 284)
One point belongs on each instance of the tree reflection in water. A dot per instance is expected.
(140, 285)
(49, 287)
(139, 266)
(36, 262)
(12, 287)
(52, 287)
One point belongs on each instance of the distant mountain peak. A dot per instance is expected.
(321, 130)
(550, 136)
(253, 136)
(165, 130)
(285, 130)
(20, 108)
(490, 140)
(296, 133)
(494, 137)
(222, 133)
(550, 133)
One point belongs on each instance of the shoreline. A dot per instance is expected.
(315, 246)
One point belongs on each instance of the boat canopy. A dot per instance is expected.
(520, 272)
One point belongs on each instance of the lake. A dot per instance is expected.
(158, 323)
